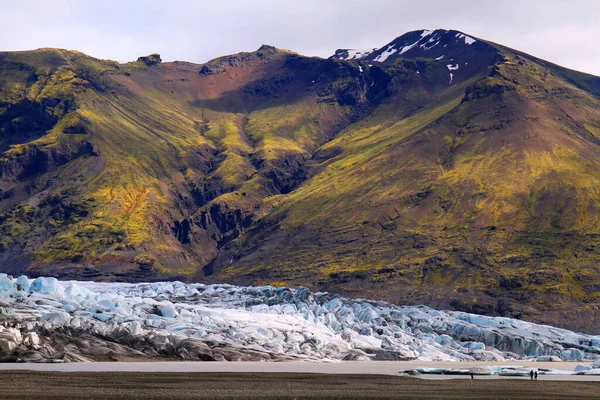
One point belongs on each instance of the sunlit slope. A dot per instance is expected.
(486, 199)
(144, 169)
(440, 169)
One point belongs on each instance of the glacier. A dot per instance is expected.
(47, 320)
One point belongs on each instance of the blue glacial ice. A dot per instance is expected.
(45, 319)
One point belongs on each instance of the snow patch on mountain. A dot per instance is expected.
(425, 47)
(355, 54)
(421, 43)
(352, 54)
(451, 68)
(407, 48)
(468, 40)
(425, 40)
(387, 52)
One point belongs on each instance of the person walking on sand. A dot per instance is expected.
(535, 375)
(531, 374)
(472, 377)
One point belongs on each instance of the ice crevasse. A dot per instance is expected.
(45, 319)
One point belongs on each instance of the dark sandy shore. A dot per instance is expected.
(133, 385)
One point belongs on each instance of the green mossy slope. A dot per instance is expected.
(390, 180)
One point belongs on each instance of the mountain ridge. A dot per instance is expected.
(465, 182)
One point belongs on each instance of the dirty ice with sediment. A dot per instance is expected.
(46, 320)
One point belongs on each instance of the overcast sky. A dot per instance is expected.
(565, 32)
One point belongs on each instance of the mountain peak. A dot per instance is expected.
(263, 55)
(420, 43)
(267, 47)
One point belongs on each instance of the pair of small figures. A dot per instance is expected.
(533, 374)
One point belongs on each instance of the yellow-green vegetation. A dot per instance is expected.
(149, 147)
(382, 180)
(454, 201)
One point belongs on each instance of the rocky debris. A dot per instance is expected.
(75, 125)
(263, 55)
(36, 159)
(487, 87)
(181, 230)
(267, 87)
(46, 320)
(29, 119)
(150, 60)
(212, 70)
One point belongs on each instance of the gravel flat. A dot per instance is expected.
(348, 367)
(134, 385)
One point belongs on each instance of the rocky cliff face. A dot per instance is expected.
(439, 169)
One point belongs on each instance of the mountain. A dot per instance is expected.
(439, 169)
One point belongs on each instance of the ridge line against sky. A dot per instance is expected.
(563, 32)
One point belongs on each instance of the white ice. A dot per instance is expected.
(288, 321)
